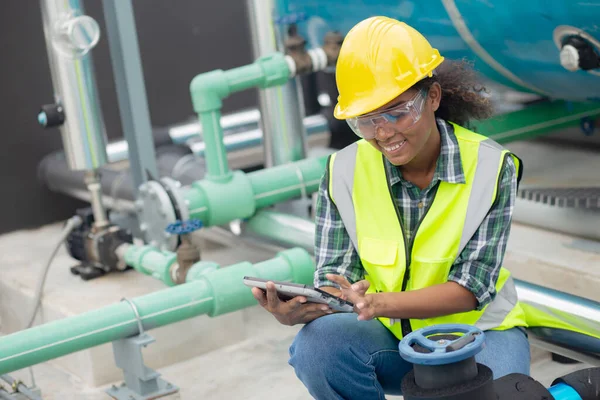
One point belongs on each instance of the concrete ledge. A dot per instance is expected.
(554, 260)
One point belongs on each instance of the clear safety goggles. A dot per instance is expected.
(403, 117)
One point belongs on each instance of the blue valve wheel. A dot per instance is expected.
(184, 227)
(291, 18)
(588, 125)
(442, 351)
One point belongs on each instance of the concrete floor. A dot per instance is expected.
(242, 354)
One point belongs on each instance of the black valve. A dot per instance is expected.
(51, 115)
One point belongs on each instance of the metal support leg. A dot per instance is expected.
(131, 92)
(141, 382)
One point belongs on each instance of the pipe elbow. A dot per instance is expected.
(208, 90)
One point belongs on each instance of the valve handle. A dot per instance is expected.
(184, 227)
(442, 351)
(588, 125)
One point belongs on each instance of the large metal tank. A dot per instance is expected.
(514, 42)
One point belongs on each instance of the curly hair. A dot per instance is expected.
(463, 96)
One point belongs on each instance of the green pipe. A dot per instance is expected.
(200, 268)
(152, 261)
(214, 293)
(286, 229)
(217, 203)
(210, 88)
(536, 120)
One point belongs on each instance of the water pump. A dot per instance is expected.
(444, 363)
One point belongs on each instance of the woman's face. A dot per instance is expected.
(400, 146)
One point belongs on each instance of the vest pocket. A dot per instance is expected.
(426, 272)
(380, 261)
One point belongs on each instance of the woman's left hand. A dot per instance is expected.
(356, 293)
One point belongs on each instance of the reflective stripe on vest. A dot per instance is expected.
(359, 187)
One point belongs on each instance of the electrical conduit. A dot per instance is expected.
(214, 293)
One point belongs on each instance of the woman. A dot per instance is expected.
(412, 220)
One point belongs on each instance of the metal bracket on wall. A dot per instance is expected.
(141, 382)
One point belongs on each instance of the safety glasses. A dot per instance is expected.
(403, 117)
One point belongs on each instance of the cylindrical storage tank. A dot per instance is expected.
(70, 36)
(513, 42)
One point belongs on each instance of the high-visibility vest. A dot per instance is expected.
(360, 188)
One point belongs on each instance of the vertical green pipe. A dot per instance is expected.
(209, 89)
(217, 168)
(214, 293)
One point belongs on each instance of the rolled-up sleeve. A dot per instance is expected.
(334, 251)
(478, 266)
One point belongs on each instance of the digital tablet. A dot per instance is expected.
(287, 291)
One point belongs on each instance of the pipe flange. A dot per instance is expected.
(155, 212)
(173, 188)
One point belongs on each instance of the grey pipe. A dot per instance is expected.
(21, 388)
(282, 107)
(70, 36)
(574, 221)
(175, 161)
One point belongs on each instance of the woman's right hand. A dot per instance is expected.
(291, 312)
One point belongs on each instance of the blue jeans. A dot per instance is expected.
(339, 357)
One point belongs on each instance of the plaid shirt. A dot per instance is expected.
(476, 268)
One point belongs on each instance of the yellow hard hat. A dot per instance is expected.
(380, 58)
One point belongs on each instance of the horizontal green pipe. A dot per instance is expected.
(210, 88)
(289, 230)
(152, 261)
(284, 182)
(217, 203)
(215, 293)
(200, 268)
(536, 120)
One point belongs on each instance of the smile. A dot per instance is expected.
(394, 147)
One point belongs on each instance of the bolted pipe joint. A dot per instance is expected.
(208, 89)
